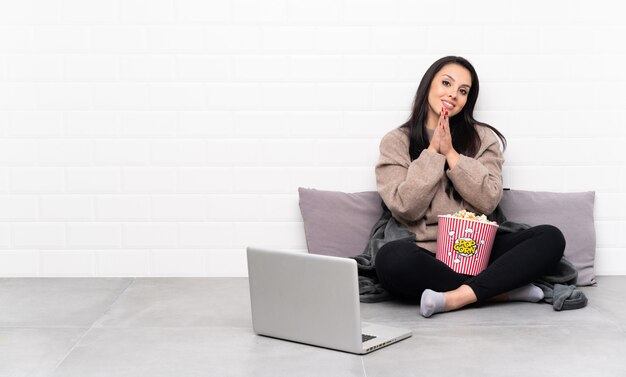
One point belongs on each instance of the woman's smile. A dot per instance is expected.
(448, 104)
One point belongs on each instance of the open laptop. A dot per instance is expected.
(312, 299)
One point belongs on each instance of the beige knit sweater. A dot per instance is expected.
(415, 192)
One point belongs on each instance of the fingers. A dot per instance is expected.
(445, 138)
(441, 139)
(435, 140)
(443, 117)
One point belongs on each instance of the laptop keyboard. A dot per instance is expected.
(367, 337)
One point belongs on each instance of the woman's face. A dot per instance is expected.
(449, 89)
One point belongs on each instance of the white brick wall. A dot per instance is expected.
(161, 137)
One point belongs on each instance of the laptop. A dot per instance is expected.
(312, 299)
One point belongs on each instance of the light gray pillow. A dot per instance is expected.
(338, 223)
(571, 212)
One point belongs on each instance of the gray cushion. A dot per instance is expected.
(338, 223)
(571, 212)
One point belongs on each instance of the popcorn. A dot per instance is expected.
(464, 241)
(465, 214)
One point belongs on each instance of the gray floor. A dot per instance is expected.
(201, 327)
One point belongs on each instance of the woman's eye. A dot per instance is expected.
(463, 92)
(445, 83)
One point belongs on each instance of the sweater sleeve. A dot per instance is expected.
(407, 187)
(479, 180)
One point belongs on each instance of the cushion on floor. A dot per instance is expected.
(339, 223)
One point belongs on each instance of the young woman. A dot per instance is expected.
(441, 161)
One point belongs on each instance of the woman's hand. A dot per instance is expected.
(435, 141)
(445, 140)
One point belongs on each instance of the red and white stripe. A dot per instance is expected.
(482, 231)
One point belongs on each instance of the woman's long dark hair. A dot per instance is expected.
(465, 139)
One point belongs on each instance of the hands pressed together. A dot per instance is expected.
(441, 141)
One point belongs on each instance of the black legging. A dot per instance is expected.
(517, 259)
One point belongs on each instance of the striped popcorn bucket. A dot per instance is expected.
(464, 245)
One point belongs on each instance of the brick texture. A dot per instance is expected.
(161, 137)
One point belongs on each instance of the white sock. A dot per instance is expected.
(432, 302)
(528, 292)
